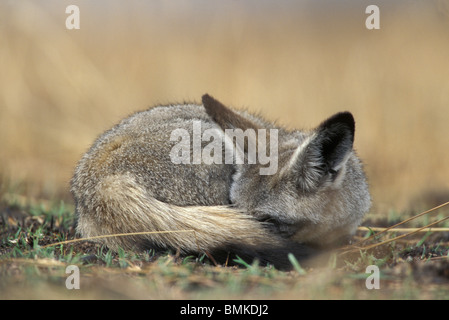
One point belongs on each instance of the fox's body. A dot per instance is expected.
(128, 182)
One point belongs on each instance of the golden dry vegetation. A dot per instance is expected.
(297, 62)
(294, 61)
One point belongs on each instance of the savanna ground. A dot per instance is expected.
(296, 62)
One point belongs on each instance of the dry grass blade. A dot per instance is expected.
(355, 247)
(401, 223)
(404, 235)
(409, 231)
(116, 235)
(211, 258)
(401, 230)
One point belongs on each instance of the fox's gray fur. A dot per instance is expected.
(127, 183)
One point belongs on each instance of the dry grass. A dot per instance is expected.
(297, 63)
(33, 260)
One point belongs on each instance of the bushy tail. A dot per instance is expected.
(120, 205)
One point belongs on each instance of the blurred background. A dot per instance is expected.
(297, 62)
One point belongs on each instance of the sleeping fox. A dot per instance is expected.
(197, 178)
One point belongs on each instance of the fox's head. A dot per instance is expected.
(318, 195)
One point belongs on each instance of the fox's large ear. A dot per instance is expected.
(225, 117)
(323, 154)
(336, 138)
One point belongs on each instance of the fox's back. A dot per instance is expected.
(141, 145)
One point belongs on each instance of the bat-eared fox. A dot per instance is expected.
(205, 178)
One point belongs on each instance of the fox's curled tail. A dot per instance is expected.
(118, 204)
